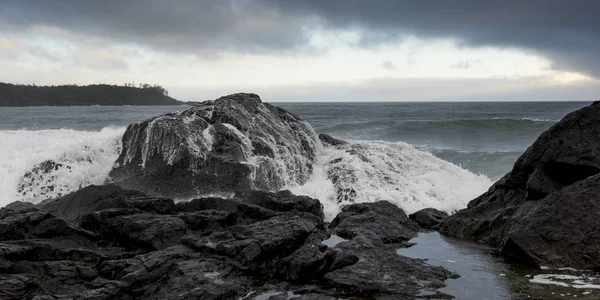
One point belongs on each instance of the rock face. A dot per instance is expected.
(543, 210)
(104, 242)
(233, 143)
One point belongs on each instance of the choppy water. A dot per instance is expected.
(483, 137)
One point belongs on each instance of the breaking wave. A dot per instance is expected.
(42, 164)
(369, 171)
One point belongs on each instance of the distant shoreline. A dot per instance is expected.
(13, 95)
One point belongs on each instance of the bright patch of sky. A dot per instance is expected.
(47, 55)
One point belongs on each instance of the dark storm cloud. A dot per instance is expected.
(567, 32)
(186, 25)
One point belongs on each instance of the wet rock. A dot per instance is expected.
(382, 220)
(260, 244)
(560, 230)
(544, 202)
(142, 230)
(96, 198)
(105, 242)
(428, 218)
(374, 231)
(233, 143)
(15, 286)
(380, 271)
(39, 181)
(328, 140)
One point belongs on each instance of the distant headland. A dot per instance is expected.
(95, 94)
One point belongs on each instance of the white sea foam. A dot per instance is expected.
(370, 171)
(567, 280)
(86, 157)
(362, 171)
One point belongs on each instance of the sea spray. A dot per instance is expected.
(367, 171)
(77, 159)
(362, 171)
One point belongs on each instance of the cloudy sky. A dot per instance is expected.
(311, 50)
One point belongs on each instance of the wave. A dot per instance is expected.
(42, 164)
(369, 171)
(508, 123)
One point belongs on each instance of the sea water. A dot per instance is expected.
(419, 154)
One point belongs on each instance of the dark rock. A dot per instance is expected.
(559, 230)
(374, 230)
(233, 143)
(543, 204)
(95, 198)
(428, 218)
(380, 271)
(285, 201)
(382, 219)
(259, 244)
(328, 140)
(105, 242)
(142, 230)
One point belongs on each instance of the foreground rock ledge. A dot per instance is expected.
(105, 242)
(545, 211)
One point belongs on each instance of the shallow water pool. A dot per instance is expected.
(486, 275)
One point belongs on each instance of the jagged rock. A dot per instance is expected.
(380, 271)
(233, 143)
(544, 202)
(373, 230)
(328, 140)
(96, 198)
(105, 242)
(428, 218)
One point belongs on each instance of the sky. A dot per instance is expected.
(311, 50)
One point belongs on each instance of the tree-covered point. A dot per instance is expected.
(96, 94)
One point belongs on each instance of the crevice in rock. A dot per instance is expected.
(567, 174)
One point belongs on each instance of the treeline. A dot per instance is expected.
(95, 94)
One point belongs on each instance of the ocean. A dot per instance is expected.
(480, 140)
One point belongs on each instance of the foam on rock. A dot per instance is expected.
(233, 143)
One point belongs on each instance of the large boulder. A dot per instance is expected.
(543, 208)
(233, 143)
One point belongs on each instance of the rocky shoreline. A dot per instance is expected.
(105, 242)
(116, 242)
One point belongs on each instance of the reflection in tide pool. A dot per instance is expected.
(484, 275)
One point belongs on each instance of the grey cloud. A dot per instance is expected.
(186, 25)
(567, 32)
(388, 65)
